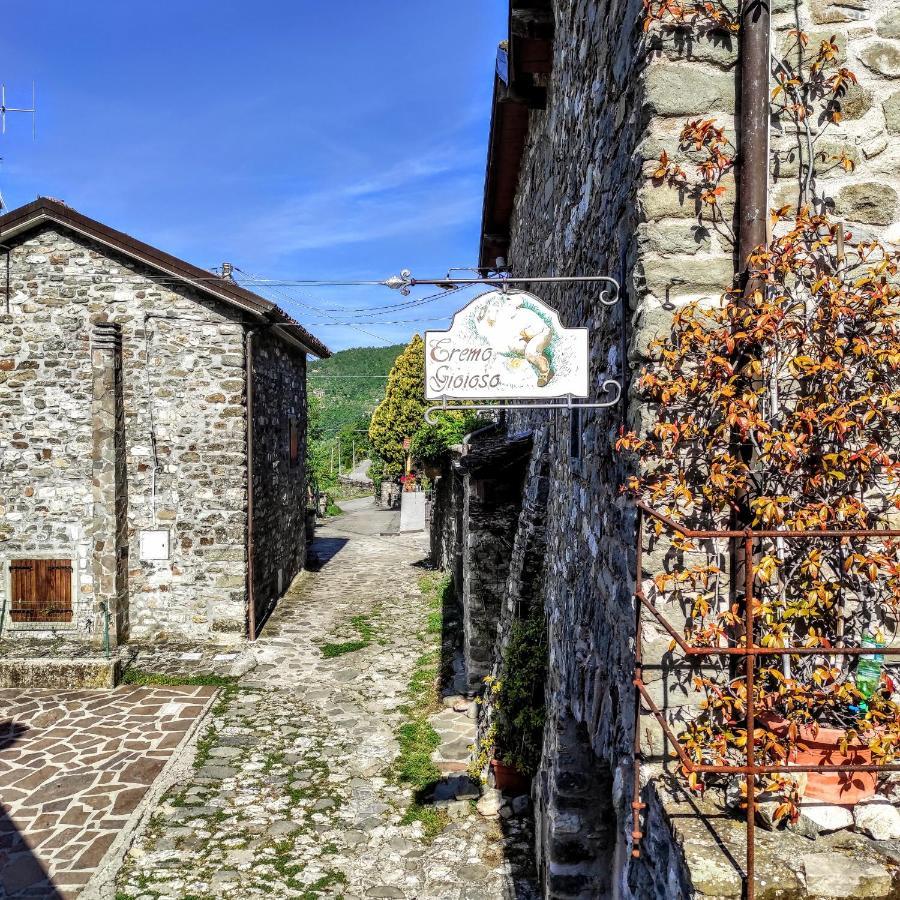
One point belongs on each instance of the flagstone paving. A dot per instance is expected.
(292, 792)
(74, 767)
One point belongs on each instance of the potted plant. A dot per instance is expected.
(777, 409)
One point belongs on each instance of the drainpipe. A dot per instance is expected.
(753, 196)
(251, 592)
(753, 184)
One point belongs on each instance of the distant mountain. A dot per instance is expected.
(344, 399)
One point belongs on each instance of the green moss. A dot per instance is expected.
(423, 683)
(364, 625)
(416, 736)
(417, 741)
(330, 651)
(271, 761)
(519, 697)
(434, 821)
(321, 884)
(205, 745)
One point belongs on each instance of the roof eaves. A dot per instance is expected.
(45, 209)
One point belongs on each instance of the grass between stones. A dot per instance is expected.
(142, 677)
(308, 802)
(416, 736)
(365, 627)
(209, 738)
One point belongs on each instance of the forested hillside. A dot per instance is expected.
(342, 399)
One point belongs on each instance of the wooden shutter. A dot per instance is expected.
(41, 590)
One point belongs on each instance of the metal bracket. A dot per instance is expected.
(404, 282)
(609, 386)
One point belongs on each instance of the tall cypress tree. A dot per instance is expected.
(401, 413)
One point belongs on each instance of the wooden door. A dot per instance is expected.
(41, 590)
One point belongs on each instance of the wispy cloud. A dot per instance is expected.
(436, 190)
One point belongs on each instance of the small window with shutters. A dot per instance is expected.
(41, 590)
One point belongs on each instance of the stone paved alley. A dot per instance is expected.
(292, 790)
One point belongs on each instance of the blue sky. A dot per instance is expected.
(294, 138)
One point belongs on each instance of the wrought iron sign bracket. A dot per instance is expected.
(609, 296)
(609, 386)
(404, 282)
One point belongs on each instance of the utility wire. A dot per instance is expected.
(251, 279)
(377, 337)
(365, 312)
(368, 311)
(387, 321)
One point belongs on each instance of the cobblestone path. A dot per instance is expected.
(293, 792)
(74, 767)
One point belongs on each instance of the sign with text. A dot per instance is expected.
(506, 346)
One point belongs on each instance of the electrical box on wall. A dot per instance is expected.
(155, 545)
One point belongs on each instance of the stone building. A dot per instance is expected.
(152, 439)
(584, 103)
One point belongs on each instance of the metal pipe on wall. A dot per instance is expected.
(753, 175)
(753, 202)
(251, 548)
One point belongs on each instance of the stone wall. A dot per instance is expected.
(580, 210)
(183, 442)
(492, 502)
(390, 495)
(446, 522)
(586, 204)
(867, 33)
(279, 485)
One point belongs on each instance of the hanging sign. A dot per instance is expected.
(506, 345)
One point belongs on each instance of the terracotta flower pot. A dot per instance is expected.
(509, 780)
(822, 748)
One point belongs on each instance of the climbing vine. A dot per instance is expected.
(780, 404)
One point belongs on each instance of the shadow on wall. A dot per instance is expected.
(21, 872)
(578, 833)
(516, 835)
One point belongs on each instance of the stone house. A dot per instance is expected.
(584, 103)
(152, 439)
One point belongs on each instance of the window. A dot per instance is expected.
(294, 442)
(41, 590)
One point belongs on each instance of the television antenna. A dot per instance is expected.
(4, 109)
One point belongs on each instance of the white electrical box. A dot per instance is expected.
(155, 545)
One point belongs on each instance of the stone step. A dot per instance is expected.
(37, 672)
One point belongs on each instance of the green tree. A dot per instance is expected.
(354, 436)
(399, 416)
(431, 443)
(318, 450)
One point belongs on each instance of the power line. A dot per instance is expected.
(368, 311)
(377, 337)
(388, 321)
(251, 281)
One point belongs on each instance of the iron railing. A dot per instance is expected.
(750, 652)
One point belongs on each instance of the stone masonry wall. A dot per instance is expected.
(446, 524)
(184, 432)
(585, 204)
(491, 507)
(279, 486)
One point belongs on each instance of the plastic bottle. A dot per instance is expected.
(868, 669)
